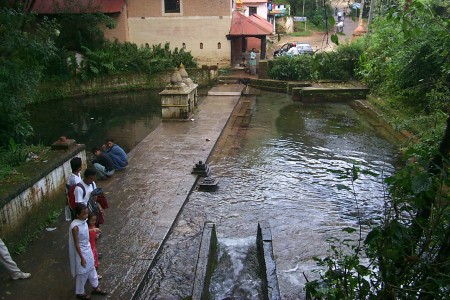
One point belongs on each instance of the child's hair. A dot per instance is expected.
(75, 164)
(90, 216)
(95, 149)
(79, 207)
(89, 172)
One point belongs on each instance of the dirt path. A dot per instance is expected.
(320, 41)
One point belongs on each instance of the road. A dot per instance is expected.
(320, 41)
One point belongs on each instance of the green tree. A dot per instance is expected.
(26, 46)
(406, 58)
(83, 30)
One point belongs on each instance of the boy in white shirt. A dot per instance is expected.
(74, 177)
(82, 196)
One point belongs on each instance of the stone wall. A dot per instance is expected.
(204, 76)
(17, 205)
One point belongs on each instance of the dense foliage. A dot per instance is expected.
(408, 56)
(34, 48)
(317, 12)
(82, 30)
(127, 57)
(338, 65)
(26, 46)
(406, 254)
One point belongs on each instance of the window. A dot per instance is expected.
(252, 10)
(201, 45)
(219, 45)
(184, 45)
(172, 6)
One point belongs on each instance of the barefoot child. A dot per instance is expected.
(94, 233)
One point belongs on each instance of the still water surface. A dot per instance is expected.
(127, 118)
(287, 171)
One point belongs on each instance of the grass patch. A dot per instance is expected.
(301, 30)
(40, 218)
(225, 71)
(302, 33)
(403, 117)
(16, 156)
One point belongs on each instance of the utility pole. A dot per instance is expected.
(372, 7)
(361, 29)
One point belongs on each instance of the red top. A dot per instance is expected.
(248, 26)
(92, 238)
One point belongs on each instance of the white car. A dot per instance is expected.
(302, 48)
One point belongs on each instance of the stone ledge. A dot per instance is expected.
(39, 170)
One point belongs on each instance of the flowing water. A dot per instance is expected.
(237, 271)
(289, 170)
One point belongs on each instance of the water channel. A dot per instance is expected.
(287, 170)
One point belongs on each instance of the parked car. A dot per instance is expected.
(302, 48)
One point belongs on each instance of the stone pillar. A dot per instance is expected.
(179, 98)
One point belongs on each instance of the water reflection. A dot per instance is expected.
(125, 117)
(289, 171)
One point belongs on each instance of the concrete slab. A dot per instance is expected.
(224, 93)
(145, 200)
(226, 90)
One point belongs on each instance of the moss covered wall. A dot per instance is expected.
(27, 200)
(51, 90)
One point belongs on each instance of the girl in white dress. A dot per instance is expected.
(81, 256)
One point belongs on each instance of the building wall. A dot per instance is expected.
(199, 21)
(192, 31)
(120, 32)
(261, 9)
(154, 8)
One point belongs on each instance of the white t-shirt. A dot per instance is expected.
(79, 193)
(73, 179)
(293, 51)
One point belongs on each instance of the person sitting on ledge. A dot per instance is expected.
(103, 164)
(243, 62)
(118, 156)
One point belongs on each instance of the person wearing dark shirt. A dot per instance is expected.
(103, 164)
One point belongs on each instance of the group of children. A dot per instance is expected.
(87, 213)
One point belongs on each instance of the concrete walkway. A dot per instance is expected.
(145, 200)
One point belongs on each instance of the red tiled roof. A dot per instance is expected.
(262, 22)
(243, 26)
(77, 6)
(254, 1)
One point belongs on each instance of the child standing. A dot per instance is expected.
(80, 253)
(94, 233)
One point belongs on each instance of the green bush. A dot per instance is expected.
(118, 57)
(411, 66)
(339, 64)
(291, 68)
(26, 48)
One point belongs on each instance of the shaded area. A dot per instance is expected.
(126, 117)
